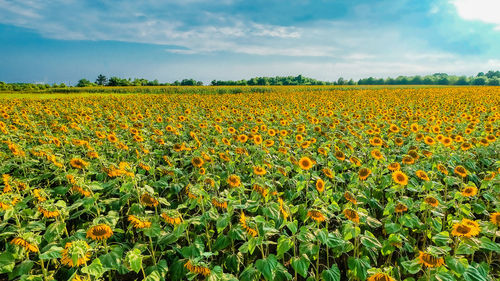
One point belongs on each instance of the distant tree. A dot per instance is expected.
(480, 74)
(443, 80)
(462, 80)
(494, 81)
(84, 83)
(341, 81)
(480, 80)
(101, 80)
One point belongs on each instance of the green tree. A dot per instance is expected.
(101, 80)
(84, 83)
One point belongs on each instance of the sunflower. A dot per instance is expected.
(48, 213)
(495, 219)
(394, 166)
(380, 277)
(203, 270)
(466, 146)
(350, 197)
(138, 223)
(400, 177)
(376, 154)
(76, 253)
(328, 173)
(243, 223)
(316, 215)
(305, 163)
(429, 260)
(376, 141)
(149, 200)
(461, 171)
(364, 173)
(400, 208)
(25, 244)
(219, 204)
(259, 171)
(431, 201)
(339, 155)
(320, 185)
(441, 168)
(257, 139)
(99, 232)
(408, 160)
(472, 224)
(197, 162)
(429, 141)
(352, 215)
(234, 181)
(469, 191)
(355, 161)
(174, 220)
(78, 163)
(422, 175)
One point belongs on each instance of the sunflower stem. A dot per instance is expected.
(44, 271)
(152, 250)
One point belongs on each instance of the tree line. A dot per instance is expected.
(490, 78)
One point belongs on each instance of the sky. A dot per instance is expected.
(62, 41)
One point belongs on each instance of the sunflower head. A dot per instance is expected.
(429, 260)
(469, 191)
(400, 177)
(364, 173)
(320, 185)
(234, 181)
(75, 253)
(380, 277)
(305, 163)
(495, 218)
(99, 232)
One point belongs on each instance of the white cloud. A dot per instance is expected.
(487, 11)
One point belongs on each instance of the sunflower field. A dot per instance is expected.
(291, 183)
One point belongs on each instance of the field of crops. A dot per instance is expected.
(279, 184)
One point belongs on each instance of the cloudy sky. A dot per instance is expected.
(65, 40)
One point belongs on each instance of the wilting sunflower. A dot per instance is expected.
(149, 200)
(394, 166)
(99, 232)
(429, 260)
(364, 173)
(352, 215)
(461, 171)
(138, 223)
(320, 185)
(441, 168)
(495, 218)
(431, 201)
(205, 271)
(355, 161)
(380, 277)
(400, 177)
(173, 220)
(197, 162)
(243, 223)
(350, 197)
(422, 175)
(25, 244)
(305, 163)
(400, 208)
(78, 163)
(259, 171)
(316, 215)
(328, 172)
(76, 253)
(219, 204)
(234, 181)
(469, 191)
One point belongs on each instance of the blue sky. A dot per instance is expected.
(65, 40)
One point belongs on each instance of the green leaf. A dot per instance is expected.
(95, 269)
(301, 265)
(370, 242)
(487, 244)
(249, 274)
(134, 259)
(473, 274)
(268, 267)
(359, 267)
(332, 274)
(54, 230)
(153, 231)
(7, 262)
(284, 244)
(21, 269)
(293, 225)
(54, 252)
(412, 266)
(444, 276)
(154, 276)
(456, 265)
